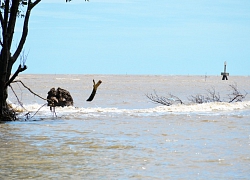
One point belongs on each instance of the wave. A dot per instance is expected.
(207, 108)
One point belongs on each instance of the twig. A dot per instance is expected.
(21, 104)
(236, 95)
(38, 110)
(167, 101)
(27, 114)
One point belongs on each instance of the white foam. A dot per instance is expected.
(205, 107)
(192, 108)
(214, 108)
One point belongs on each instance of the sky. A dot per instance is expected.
(162, 37)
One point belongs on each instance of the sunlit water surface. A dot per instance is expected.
(122, 135)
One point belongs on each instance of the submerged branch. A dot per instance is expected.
(211, 96)
(167, 101)
(38, 110)
(236, 95)
(95, 86)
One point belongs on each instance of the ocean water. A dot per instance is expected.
(121, 134)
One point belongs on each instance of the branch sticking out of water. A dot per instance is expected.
(95, 86)
(211, 96)
(167, 101)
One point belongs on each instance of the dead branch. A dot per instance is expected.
(38, 110)
(167, 101)
(199, 99)
(28, 114)
(176, 99)
(29, 89)
(213, 96)
(95, 86)
(20, 69)
(20, 103)
(236, 95)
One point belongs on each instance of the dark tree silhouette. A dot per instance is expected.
(10, 10)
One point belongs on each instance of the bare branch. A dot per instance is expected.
(29, 89)
(23, 38)
(20, 103)
(167, 101)
(25, 29)
(177, 99)
(213, 96)
(37, 111)
(20, 69)
(236, 95)
(95, 86)
(199, 99)
(33, 4)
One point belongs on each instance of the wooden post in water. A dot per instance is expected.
(225, 74)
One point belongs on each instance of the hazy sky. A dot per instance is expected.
(164, 37)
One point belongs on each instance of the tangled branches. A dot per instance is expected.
(211, 96)
(167, 101)
(236, 95)
(27, 115)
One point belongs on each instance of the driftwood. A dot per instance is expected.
(95, 86)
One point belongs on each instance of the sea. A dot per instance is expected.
(123, 134)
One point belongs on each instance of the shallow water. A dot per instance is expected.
(122, 135)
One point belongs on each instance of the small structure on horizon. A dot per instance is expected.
(225, 74)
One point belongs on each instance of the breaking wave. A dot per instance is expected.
(215, 108)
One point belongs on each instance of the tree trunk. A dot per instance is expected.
(6, 114)
(8, 23)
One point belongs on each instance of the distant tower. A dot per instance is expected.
(225, 74)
